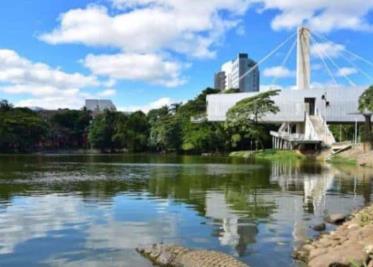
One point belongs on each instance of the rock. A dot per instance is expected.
(175, 256)
(319, 227)
(336, 218)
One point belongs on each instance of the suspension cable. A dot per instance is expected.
(326, 65)
(266, 57)
(336, 66)
(285, 60)
(370, 63)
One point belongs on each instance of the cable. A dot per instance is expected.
(326, 65)
(285, 60)
(370, 63)
(337, 67)
(266, 57)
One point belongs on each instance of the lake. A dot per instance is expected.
(94, 210)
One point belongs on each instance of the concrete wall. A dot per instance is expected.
(343, 102)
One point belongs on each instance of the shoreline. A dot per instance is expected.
(351, 244)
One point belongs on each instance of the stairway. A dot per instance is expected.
(322, 130)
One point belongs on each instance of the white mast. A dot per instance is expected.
(303, 59)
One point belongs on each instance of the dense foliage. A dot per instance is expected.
(243, 118)
(366, 108)
(179, 128)
(21, 130)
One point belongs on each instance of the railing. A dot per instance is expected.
(310, 131)
(287, 136)
(328, 135)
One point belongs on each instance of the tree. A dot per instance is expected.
(69, 127)
(103, 130)
(366, 108)
(165, 131)
(21, 129)
(136, 132)
(243, 118)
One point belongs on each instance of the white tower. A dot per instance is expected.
(303, 59)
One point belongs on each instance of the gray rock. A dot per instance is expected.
(336, 218)
(319, 227)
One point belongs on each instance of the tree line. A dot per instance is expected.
(167, 129)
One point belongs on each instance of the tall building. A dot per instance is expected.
(241, 73)
(219, 81)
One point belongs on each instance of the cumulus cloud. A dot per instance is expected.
(342, 72)
(44, 86)
(320, 15)
(138, 67)
(164, 101)
(333, 50)
(107, 93)
(185, 26)
(278, 72)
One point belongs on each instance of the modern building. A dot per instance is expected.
(99, 105)
(304, 112)
(219, 80)
(242, 73)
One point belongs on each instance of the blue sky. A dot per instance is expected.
(146, 53)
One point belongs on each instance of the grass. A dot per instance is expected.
(342, 160)
(268, 154)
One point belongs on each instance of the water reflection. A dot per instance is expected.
(94, 211)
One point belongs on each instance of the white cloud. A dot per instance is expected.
(139, 67)
(346, 71)
(320, 15)
(185, 26)
(165, 101)
(43, 85)
(48, 87)
(107, 92)
(330, 49)
(15, 69)
(278, 72)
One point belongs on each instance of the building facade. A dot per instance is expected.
(241, 73)
(219, 81)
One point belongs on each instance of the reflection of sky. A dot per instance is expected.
(103, 228)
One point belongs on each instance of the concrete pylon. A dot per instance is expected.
(303, 59)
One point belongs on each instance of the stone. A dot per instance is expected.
(336, 218)
(319, 227)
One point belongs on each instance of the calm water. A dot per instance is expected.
(94, 210)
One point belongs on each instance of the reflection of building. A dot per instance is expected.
(235, 231)
(99, 105)
(232, 75)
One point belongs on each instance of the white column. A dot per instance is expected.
(303, 59)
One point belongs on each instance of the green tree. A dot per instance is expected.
(366, 108)
(243, 118)
(136, 132)
(21, 130)
(103, 129)
(69, 127)
(165, 130)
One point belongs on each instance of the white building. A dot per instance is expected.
(99, 105)
(304, 112)
(234, 71)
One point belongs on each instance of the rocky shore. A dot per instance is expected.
(351, 244)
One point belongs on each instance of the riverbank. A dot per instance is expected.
(351, 244)
(269, 154)
(357, 156)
